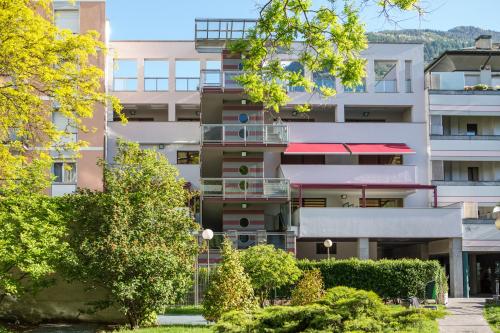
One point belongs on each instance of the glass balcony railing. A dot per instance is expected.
(245, 188)
(215, 78)
(386, 86)
(244, 134)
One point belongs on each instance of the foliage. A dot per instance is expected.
(342, 309)
(324, 40)
(492, 315)
(309, 289)
(171, 329)
(31, 232)
(269, 268)
(229, 288)
(390, 279)
(184, 310)
(43, 67)
(135, 239)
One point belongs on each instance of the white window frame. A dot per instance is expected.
(64, 171)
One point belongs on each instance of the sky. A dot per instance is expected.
(174, 19)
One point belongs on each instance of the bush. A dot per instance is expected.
(390, 279)
(309, 289)
(269, 268)
(342, 309)
(229, 288)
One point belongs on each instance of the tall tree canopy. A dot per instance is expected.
(330, 41)
(42, 67)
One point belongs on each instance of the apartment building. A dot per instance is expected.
(354, 170)
(464, 108)
(83, 172)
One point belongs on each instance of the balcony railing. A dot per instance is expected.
(245, 134)
(465, 137)
(386, 86)
(125, 84)
(222, 29)
(466, 182)
(156, 84)
(245, 188)
(216, 78)
(245, 239)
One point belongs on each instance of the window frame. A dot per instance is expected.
(64, 172)
(156, 78)
(126, 78)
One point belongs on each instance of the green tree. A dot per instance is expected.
(309, 289)
(135, 239)
(330, 41)
(31, 233)
(43, 67)
(269, 268)
(229, 288)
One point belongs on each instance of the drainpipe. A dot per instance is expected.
(363, 196)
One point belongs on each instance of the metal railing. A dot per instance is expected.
(466, 182)
(386, 86)
(156, 84)
(255, 133)
(222, 29)
(464, 137)
(187, 83)
(249, 238)
(245, 188)
(216, 78)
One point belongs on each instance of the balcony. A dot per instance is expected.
(350, 174)
(484, 192)
(466, 148)
(480, 236)
(378, 222)
(243, 135)
(386, 86)
(216, 80)
(156, 132)
(236, 189)
(211, 35)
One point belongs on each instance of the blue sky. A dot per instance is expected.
(174, 19)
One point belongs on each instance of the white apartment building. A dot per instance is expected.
(464, 108)
(354, 170)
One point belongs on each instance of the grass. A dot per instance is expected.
(492, 315)
(172, 329)
(184, 310)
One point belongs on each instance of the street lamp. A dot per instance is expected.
(496, 215)
(328, 244)
(207, 235)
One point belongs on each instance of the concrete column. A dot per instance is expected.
(473, 274)
(171, 111)
(363, 248)
(140, 74)
(456, 267)
(339, 113)
(423, 251)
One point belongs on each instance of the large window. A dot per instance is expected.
(188, 157)
(296, 67)
(385, 76)
(64, 172)
(125, 75)
(408, 86)
(360, 88)
(324, 79)
(155, 75)
(187, 75)
(67, 16)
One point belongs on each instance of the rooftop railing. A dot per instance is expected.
(245, 134)
(222, 29)
(245, 188)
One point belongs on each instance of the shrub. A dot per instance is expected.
(269, 268)
(309, 289)
(480, 87)
(342, 309)
(390, 279)
(229, 288)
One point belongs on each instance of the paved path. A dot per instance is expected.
(466, 315)
(181, 320)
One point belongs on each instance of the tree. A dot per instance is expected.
(135, 239)
(229, 288)
(43, 68)
(31, 243)
(269, 268)
(330, 42)
(309, 289)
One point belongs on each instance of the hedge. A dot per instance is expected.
(390, 279)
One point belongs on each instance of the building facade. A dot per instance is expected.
(464, 108)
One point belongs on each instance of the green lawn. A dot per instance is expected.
(492, 315)
(172, 329)
(184, 310)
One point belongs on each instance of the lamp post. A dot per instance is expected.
(328, 244)
(207, 235)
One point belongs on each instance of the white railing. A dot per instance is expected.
(245, 188)
(216, 78)
(386, 86)
(255, 133)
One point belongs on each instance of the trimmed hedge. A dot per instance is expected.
(390, 279)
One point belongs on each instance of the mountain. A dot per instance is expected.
(435, 41)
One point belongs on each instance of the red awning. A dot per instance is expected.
(316, 148)
(379, 148)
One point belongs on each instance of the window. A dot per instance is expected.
(382, 203)
(473, 174)
(324, 79)
(309, 202)
(302, 159)
(380, 159)
(125, 75)
(187, 75)
(360, 88)
(321, 249)
(67, 16)
(64, 172)
(65, 125)
(408, 87)
(385, 76)
(296, 67)
(155, 75)
(188, 157)
(472, 129)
